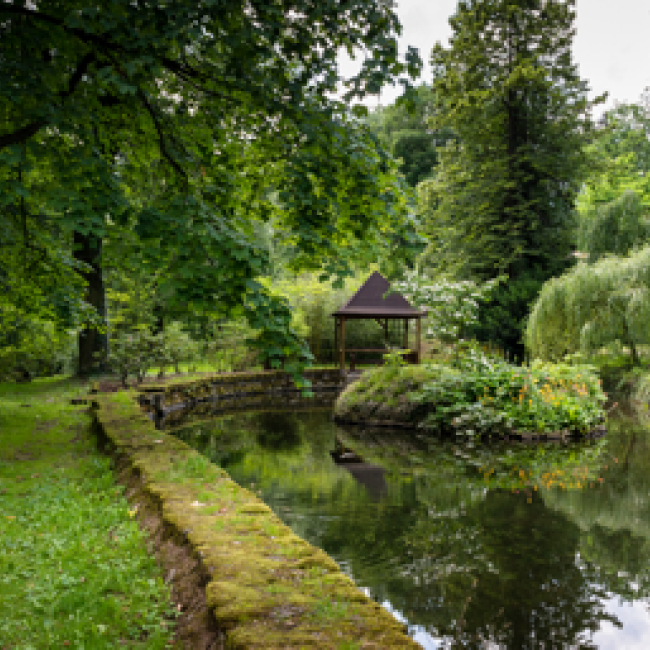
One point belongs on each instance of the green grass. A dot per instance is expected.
(74, 570)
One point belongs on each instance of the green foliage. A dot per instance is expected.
(478, 395)
(136, 352)
(403, 130)
(503, 198)
(230, 349)
(507, 185)
(503, 319)
(592, 306)
(452, 307)
(395, 359)
(615, 228)
(640, 397)
(30, 347)
(313, 302)
(178, 346)
(620, 153)
(181, 122)
(491, 397)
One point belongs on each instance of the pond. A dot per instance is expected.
(473, 546)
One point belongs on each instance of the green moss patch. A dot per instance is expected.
(267, 587)
(387, 395)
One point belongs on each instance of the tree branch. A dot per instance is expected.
(161, 136)
(185, 72)
(25, 132)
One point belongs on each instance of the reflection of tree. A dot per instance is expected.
(278, 430)
(499, 568)
(447, 547)
(502, 569)
(613, 516)
(534, 591)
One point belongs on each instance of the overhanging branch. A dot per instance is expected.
(25, 132)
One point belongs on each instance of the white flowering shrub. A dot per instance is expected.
(452, 306)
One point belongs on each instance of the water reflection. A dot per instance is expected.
(474, 546)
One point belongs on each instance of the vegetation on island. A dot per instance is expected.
(478, 395)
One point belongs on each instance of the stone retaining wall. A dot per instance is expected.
(169, 405)
(267, 587)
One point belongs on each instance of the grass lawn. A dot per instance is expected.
(74, 568)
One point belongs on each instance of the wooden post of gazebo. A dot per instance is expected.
(375, 300)
(342, 355)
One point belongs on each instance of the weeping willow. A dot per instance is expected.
(617, 227)
(592, 306)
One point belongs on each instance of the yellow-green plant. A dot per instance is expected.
(592, 306)
(313, 303)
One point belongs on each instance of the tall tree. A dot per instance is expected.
(217, 100)
(403, 130)
(505, 194)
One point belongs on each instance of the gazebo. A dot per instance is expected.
(371, 301)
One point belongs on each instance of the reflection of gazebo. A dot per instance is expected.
(370, 301)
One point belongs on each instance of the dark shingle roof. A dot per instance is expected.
(369, 302)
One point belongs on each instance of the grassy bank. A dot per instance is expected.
(74, 568)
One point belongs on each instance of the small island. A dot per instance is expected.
(479, 396)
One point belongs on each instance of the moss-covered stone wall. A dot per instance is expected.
(267, 587)
(239, 383)
(231, 391)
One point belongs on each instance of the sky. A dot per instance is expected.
(611, 46)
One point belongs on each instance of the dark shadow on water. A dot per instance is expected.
(278, 430)
(371, 477)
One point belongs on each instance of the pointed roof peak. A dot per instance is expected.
(370, 301)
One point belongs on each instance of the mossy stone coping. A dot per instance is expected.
(225, 385)
(267, 587)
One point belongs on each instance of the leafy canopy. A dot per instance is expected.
(185, 120)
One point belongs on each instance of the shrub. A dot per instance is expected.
(484, 396)
(313, 304)
(135, 353)
(493, 396)
(34, 348)
(592, 306)
(229, 351)
(177, 347)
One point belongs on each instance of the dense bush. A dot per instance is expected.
(135, 353)
(177, 347)
(491, 397)
(478, 395)
(592, 306)
(33, 347)
(228, 349)
(615, 228)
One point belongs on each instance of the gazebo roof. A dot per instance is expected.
(369, 302)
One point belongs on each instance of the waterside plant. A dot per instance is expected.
(477, 395)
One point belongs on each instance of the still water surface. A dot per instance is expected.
(476, 546)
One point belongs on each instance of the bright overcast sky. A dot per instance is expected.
(611, 46)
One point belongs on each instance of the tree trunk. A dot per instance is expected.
(92, 343)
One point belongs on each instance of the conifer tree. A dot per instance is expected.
(507, 87)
